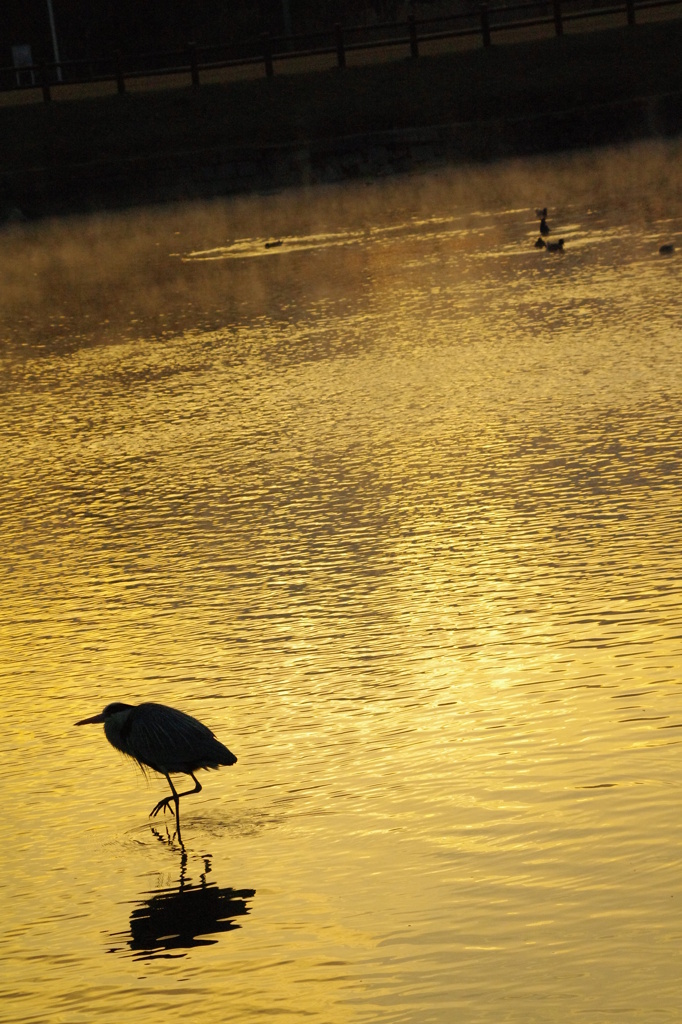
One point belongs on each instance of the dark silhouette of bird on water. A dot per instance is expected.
(163, 739)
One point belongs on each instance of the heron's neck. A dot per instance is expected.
(117, 729)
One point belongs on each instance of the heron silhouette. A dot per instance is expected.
(163, 739)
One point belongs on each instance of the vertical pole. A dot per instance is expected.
(340, 49)
(631, 12)
(193, 64)
(44, 82)
(118, 70)
(55, 44)
(414, 41)
(267, 54)
(485, 25)
(558, 21)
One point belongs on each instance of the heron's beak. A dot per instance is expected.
(91, 721)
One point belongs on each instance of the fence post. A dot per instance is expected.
(485, 25)
(267, 54)
(340, 48)
(631, 12)
(558, 21)
(47, 96)
(412, 29)
(193, 65)
(118, 71)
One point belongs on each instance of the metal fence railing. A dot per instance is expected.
(406, 37)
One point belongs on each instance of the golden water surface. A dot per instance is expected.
(394, 508)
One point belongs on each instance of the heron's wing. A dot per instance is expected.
(169, 740)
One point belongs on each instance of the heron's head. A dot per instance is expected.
(110, 709)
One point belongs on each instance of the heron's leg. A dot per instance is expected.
(197, 786)
(166, 802)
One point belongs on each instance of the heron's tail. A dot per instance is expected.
(225, 756)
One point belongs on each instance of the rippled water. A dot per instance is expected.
(394, 507)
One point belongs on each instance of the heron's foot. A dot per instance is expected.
(162, 805)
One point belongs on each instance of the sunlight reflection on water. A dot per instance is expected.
(395, 510)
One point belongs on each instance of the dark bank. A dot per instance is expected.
(543, 95)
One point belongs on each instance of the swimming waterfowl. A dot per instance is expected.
(544, 227)
(666, 250)
(541, 213)
(540, 244)
(555, 246)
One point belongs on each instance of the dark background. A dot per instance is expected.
(92, 28)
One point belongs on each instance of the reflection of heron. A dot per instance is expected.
(170, 921)
(166, 740)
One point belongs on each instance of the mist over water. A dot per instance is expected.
(393, 507)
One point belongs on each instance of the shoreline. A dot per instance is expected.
(211, 173)
(97, 155)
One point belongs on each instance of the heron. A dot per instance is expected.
(164, 739)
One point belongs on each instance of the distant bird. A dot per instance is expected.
(556, 246)
(544, 227)
(540, 244)
(667, 250)
(165, 740)
(273, 245)
(541, 213)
